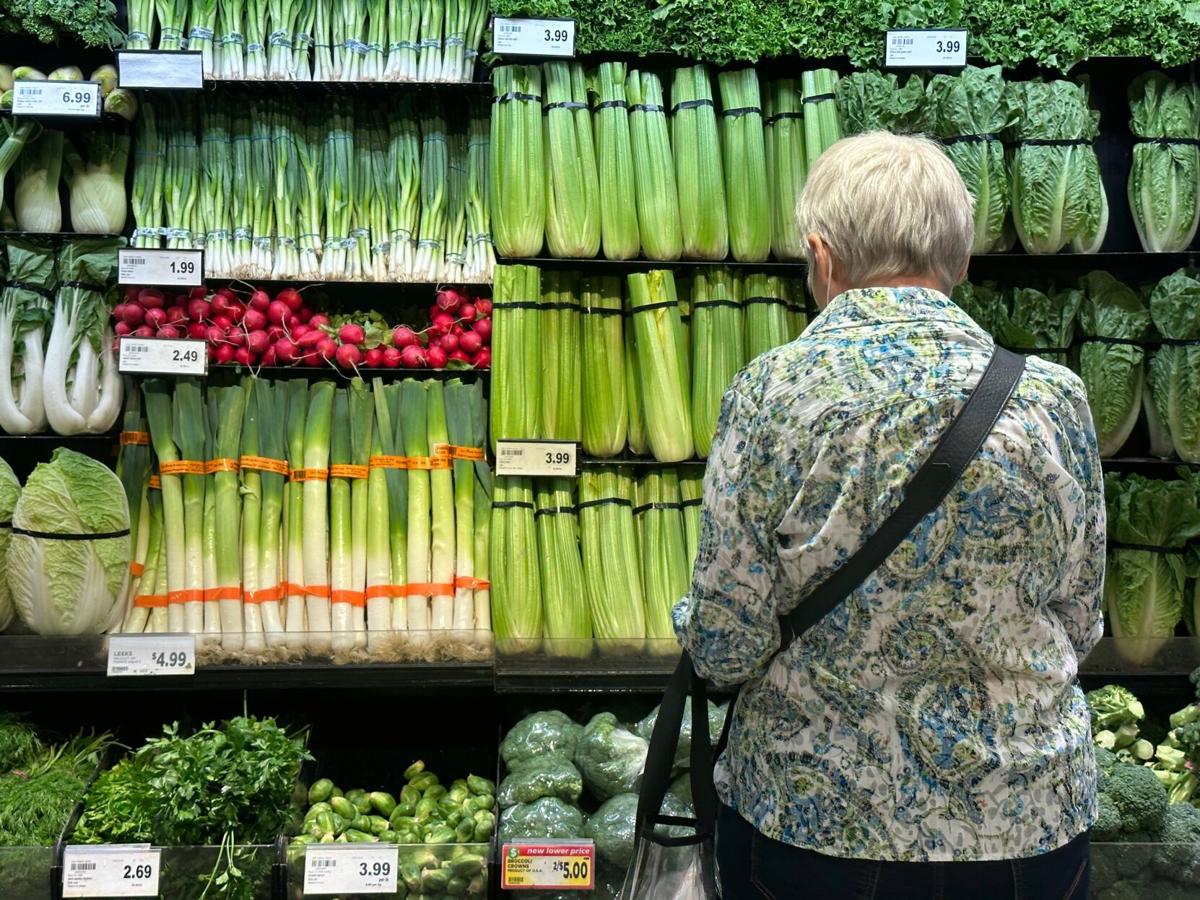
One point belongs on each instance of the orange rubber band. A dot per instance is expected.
(474, 584)
(265, 595)
(135, 437)
(354, 598)
(317, 590)
(291, 589)
(150, 601)
(221, 464)
(389, 462)
(425, 589)
(155, 483)
(187, 596)
(222, 593)
(264, 464)
(182, 467)
(342, 471)
(384, 590)
(308, 475)
(136, 569)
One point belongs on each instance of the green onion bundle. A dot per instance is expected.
(786, 168)
(664, 550)
(745, 161)
(146, 195)
(516, 404)
(435, 161)
(654, 168)
(614, 160)
(767, 311)
(518, 164)
(562, 409)
(822, 128)
(696, 143)
(611, 562)
(572, 183)
(605, 407)
(567, 620)
(662, 365)
(517, 617)
(718, 350)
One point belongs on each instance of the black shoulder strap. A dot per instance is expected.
(928, 488)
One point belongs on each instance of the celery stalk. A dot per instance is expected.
(516, 354)
(572, 184)
(614, 162)
(568, 622)
(605, 408)
(441, 489)
(638, 444)
(691, 493)
(768, 320)
(518, 162)
(786, 169)
(611, 562)
(664, 552)
(654, 168)
(697, 147)
(662, 365)
(822, 127)
(562, 397)
(516, 587)
(745, 165)
(718, 349)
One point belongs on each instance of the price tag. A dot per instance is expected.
(160, 268)
(56, 98)
(933, 48)
(549, 865)
(536, 458)
(533, 37)
(350, 869)
(110, 870)
(162, 356)
(151, 654)
(176, 69)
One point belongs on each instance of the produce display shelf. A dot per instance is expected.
(333, 282)
(640, 462)
(302, 83)
(316, 372)
(600, 266)
(65, 440)
(53, 235)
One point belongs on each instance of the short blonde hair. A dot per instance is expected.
(889, 205)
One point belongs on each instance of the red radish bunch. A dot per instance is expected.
(260, 330)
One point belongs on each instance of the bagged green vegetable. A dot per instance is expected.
(552, 776)
(538, 735)
(614, 824)
(610, 757)
(716, 722)
(546, 819)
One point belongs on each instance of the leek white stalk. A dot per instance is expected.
(271, 401)
(340, 525)
(460, 398)
(397, 484)
(252, 502)
(483, 518)
(190, 429)
(441, 490)
(362, 427)
(227, 408)
(414, 411)
(160, 418)
(296, 614)
(316, 522)
(378, 548)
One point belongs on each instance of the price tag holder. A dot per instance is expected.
(174, 69)
(56, 98)
(933, 48)
(350, 869)
(110, 870)
(160, 268)
(162, 356)
(549, 866)
(537, 459)
(533, 37)
(151, 654)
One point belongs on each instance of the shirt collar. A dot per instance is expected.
(871, 307)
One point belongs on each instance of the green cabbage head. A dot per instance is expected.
(10, 490)
(70, 586)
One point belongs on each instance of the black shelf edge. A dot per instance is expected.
(316, 372)
(308, 282)
(1133, 463)
(302, 83)
(640, 462)
(64, 439)
(598, 265)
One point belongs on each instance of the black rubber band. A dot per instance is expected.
(605, 501)
(516, 95)
(32, 288)
(1066, 142)
(603, 310)
(698, 501)
(701, 304)
(50, 536)
(512, 504)
(774, 301)
(7, 524)
(666, 304)
(645, 507)
(561, 306)
(741, 111)
(611, 104)
(1024, 350)
(1148, 548)
(818, 98)
(771, 120)
(1187, 142)
(555, 511)
(691, 104)
(647, 107)
(1121, 342)
(969, 138)
(565, 104)
(517, 304)
(84, 285)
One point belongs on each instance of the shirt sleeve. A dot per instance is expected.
(729, 622)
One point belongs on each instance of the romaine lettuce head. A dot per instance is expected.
(70, 586)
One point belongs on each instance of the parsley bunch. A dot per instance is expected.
(91, 22)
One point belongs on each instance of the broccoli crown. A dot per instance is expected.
(1105, 760)
(1108, 821)
(1139, 797)
(1113, 706)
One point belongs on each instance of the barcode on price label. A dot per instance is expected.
(944, 48)
(160, 268)
(533, 37)
(537, 459)
(56, 98)
(111, 870)
(78, 866)
(151, 654)
(351, 869)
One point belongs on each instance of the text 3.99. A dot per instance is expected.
(374, 870)
(557, 35)
(558, 459)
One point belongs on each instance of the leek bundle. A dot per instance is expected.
(562, 409)
(745, 165)
(482, 516)
(691, 493)
(567, 620)
(718, 350)
(171, 573)
(517, 184)
(133, 468)
(185, 608)
(441, 501)
(614, 160)
(295, 394)
(315, 542)
(697, 147)
(516, 406)
(383, 506)
(822, 128)
(662, 365)
(516, 582)
(262, 508)
(340, 522)
(611, 562)
(786, 168)
(461, 402)
(227, 406)
(768, 320)
(572, 183)
(664, 550)
(414, 416)
(654, 168)
(605, 407)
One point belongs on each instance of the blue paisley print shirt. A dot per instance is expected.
(934, 715)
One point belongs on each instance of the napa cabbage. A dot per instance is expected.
(1175, 368)
(1113, 373)
(10, 490)
(70, 586)
(1144, 589)
(1164, 181)
(1058, 198)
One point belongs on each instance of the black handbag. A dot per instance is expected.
(673, 855)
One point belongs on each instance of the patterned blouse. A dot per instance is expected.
(935, 714)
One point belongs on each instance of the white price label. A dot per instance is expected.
(351, 869)
(56, 98)
(162, 356)
(160, 268)
(176, 69)
(934, 48)
(533, 37)
(536, 458)
(110, 870)
(151, 654)
(548, 865)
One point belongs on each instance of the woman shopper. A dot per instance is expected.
(927, 738)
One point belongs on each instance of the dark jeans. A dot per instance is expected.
(754, 867)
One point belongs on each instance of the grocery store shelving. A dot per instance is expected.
(316, 372)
